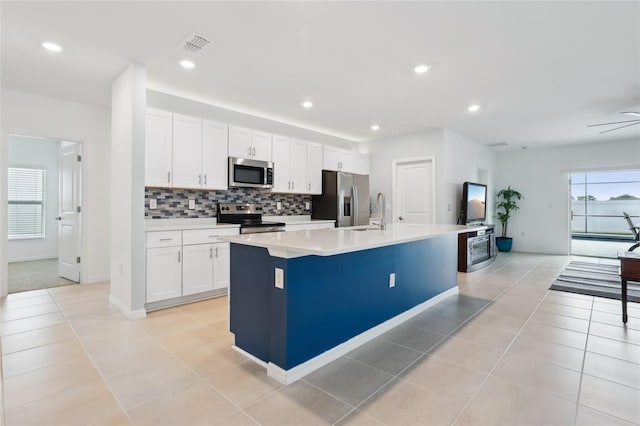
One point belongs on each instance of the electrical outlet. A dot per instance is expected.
(522, 234)
(448, 207)
(392, 280)
(307, 205)
(153, 204)
(278, 205)
(280, 278)
(192, 204)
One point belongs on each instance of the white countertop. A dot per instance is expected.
(328, 242)
(151, 225)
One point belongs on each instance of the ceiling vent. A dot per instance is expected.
(194, 43)
(497, 144)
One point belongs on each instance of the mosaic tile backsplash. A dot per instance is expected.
(174, 203)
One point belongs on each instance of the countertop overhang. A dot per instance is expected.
(329, 242)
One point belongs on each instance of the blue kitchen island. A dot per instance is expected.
(299, 300)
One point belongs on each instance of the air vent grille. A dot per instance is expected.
(494, 145)
(194, 43)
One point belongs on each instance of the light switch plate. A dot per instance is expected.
(192, 204)
(392, 280)
(307, 205)
(153, 204)
(280, 278)
(278, 205)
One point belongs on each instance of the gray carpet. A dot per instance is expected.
(34, 275)
(595, 280)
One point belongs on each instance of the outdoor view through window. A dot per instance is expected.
(598, 200)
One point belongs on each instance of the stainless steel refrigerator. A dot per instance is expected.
(345, 199)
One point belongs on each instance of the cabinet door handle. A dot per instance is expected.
(178, 256)
(216, 252)
(205, 178)
(289, 185)
(168, 177)
(309, 186)
(293, 184)
(199, 179)
(166, 239)
(211, 253)
(254, 151)
(249, 151)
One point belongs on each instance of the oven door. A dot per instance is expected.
(250, 173)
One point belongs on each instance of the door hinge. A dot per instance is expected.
(79, 209)
(79, 158)
(78, 259)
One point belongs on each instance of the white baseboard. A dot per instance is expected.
(251, 357)
(30, 259)
(287, 377)
(96, 279)
(132, 315)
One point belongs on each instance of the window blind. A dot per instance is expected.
(26, 203)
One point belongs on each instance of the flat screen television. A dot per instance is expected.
(474, 203)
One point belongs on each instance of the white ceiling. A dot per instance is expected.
(541, 70)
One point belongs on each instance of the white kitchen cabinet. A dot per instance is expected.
(214, 155)
(337, 159)
(260, 145)
(290, 165)
(247, 143)
(197, 272)
(187, 152)
(221, 265)
(361, 163)
(314, 168)
(281, 157)
(164, 273)
(158, 147)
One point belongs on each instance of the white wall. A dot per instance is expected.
(542, 176)
(184, 106)
(37, 153)
(457, 160)
(32, 115)
(128, 103)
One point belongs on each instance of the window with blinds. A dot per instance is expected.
(26, 203)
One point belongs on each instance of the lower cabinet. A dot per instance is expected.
(184, 263)
(205, 267)
(164, 273)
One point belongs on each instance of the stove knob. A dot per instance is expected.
(258, 208)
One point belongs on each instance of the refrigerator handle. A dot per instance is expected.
(354, 203)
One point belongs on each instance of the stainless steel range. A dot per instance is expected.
(248, 216)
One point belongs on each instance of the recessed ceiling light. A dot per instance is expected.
(375, 127)
(187, 64)
(421, 69)
(307, 104)
(474, 108)
(52, 46)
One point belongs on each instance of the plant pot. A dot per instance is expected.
(504, 243)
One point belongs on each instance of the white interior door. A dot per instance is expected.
(70, 211)
(414, 191)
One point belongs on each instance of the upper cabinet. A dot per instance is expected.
(314, 168)
(185, 152)
(158, 148)
(337, 159)
(214, 155)
(247, 143)
(361, 163)
(289, 165)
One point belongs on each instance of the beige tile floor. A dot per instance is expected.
(505, 351)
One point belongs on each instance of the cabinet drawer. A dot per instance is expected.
(203, 236)
(164, 239)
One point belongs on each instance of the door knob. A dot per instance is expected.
(401, 218)
(58, 218)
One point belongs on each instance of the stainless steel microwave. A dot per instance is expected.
(248, 173)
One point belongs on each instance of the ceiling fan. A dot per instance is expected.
(626, 123)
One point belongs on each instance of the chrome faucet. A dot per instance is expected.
(383, 222)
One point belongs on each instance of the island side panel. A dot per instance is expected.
(330, 299)
(252, 279)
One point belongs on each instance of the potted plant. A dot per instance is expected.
(508, 205)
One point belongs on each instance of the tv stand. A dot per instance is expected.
(476, 249)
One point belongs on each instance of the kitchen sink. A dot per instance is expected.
(362, 228)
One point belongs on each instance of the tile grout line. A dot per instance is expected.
(584, 357)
